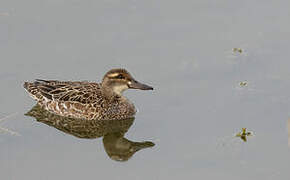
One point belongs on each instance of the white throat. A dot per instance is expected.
(120, 89)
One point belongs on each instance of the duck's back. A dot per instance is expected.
(78, 99)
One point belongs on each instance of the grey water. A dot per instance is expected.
(184, 49)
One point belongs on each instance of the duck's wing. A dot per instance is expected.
(80, 91)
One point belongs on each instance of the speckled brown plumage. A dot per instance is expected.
(88, 100)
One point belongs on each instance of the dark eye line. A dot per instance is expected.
(120, 76)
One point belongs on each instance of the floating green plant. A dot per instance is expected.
(244, 134)
(239, 50)
(243, 83)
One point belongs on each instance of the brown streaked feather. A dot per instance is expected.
(78, 91)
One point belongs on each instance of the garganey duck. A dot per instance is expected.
(87, 100)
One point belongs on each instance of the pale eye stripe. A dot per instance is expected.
(113, 75)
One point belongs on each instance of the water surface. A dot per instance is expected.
(184, 50)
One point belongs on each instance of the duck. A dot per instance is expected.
(87, 100)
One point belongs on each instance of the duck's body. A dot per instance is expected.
(88, 100)
(79, 100)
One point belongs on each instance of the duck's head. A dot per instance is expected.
(120, 80)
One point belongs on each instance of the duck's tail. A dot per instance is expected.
(33, 91)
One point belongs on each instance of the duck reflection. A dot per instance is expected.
(116, 145)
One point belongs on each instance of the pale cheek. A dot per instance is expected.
(120, 89)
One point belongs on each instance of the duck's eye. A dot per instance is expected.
(120, 76)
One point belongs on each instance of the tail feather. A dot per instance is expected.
(41, 81)
(30, 87)
(26, 84)
(33, 91)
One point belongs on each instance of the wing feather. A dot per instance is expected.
(80, 91)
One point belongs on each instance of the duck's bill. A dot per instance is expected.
(137, 85)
